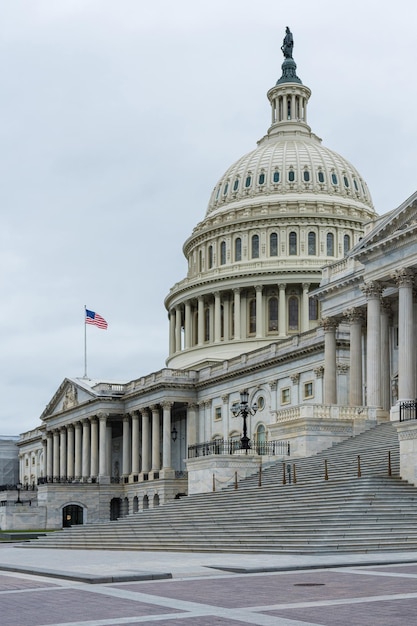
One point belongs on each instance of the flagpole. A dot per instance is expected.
(85, 343)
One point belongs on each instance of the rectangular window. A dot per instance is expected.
(308, 390)
(285, 395)
(218, 413)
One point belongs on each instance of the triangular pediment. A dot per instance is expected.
(69, 394)
(396, 224)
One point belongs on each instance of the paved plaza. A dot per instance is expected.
(101, 588)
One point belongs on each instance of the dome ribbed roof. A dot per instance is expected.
(266, 171)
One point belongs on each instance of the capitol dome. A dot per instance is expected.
(274, 219)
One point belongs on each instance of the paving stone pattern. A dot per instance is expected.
(343, 596)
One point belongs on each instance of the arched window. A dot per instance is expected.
(293, 313)
(291, 176)
(292, 240)
(275, 177)
(272, 314)
(330, 244)
(236, 185)
(273, 244)
(252, 316)
(200, 261)
(313, 309)
(334, 179)
(238, 249)
(222, 322)
(248, 181)
(261, 179)
(320, 176)
(306, 176)
(223, 253)
(260, 437)
(207, 324)
(255, 246)
(210, 257)
(312, 243)
(232, 320)
(346, 244)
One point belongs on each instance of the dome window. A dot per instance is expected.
(248, 181)
(226, 187)
(275, 177)
(345, 180)
(346, 244)
(210, 257)
(223, 253)
(292, 240)
(252, 317)
(306, 176)
(334, 179)
(238, 249)
(355, 184)
(321, 177)
(273, 244)
(218, 193)
(312, 243)
(236, 185)
(330, 244)
(261, 179)
(272, 314)
(291, 176)
(293, 313)
(255, 247)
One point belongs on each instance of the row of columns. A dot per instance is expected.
(183, 315)
(378, 376)
(83, 450)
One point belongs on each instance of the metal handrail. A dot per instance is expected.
(408, 410)
(230, 446)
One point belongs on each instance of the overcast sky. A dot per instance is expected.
(117, 118)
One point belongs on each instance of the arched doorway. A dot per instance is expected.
(115, 508)
(72, 514)
(155, 500)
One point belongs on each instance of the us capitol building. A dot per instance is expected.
(296, 292)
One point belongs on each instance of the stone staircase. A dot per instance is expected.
(343, 513)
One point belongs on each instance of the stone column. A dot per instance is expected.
(63, 452)
(188, 325)
(55, 469)
(146, 466)
(330, 389)
(70, 451)
(49, 456)
(166, 434)
(103, 468)
(178, 329)
(226, 318)
(385, 356)
(217, 315)
(135, 443)
(156, 444)
(200, 327)
(373, 291)
(171, 332)
(259, 312)
(78, 451)
(295, 379)
(94, 447)
(192, 428)
(282, 311)
(238, 330)
(126, 447)
(355, 319)
(305, 323)
(86, 450)
(406, 356)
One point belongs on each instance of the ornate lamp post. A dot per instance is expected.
(18, 487)
(243, 409)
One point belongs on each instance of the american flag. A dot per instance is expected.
(94, 318)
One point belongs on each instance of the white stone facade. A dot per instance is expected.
(325, 353)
